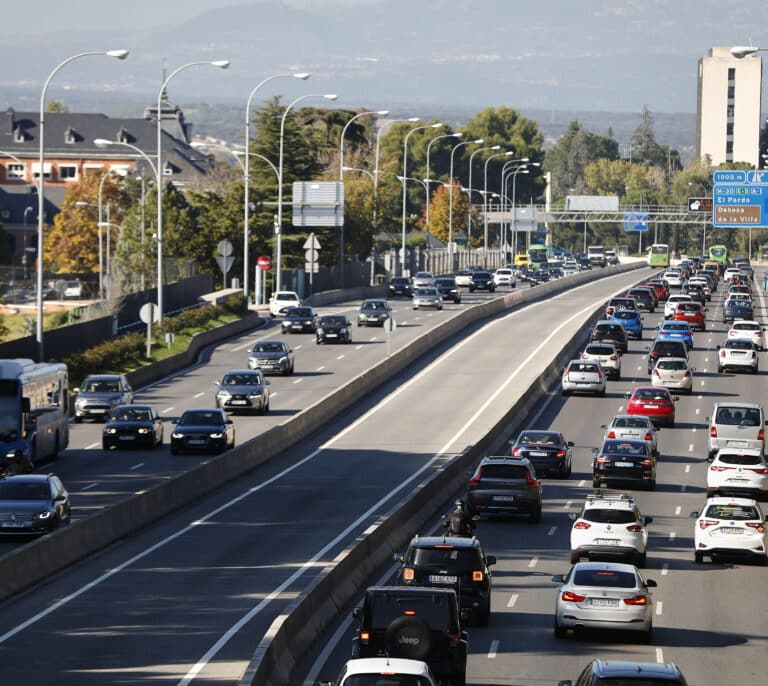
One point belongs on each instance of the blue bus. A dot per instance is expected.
(34, 412)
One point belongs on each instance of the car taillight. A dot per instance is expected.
(646, 463)
(757, 526)
(635, 528)
(532, 483)
(718, 468)
(477, 576)
(561, 453)
(599, 375)
(602, 460)
(764, 470)
(582, 525)
(656, 373)
(722, 353)
(364, 637)
(614, 357)
(516, 452)
(408, 574)
(637, 600)
(611, 434)
(571, 597)
(713, 432)
(760, 434)
(705, 523)
(474, 481)
(687, 374)
(454, 639)
(649, 436)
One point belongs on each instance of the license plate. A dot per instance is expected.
(196, 441)
(14, 525)
(127, 438)
(631, 434)
(624, 464)
(239, 402)
(296, 326)
(731, 530)
(98, 411)
(649, 407)
(607, 541)
(738, 444)
(503, 498)
(737, 481)
(603, 602)
(442, 579)
(538, 453)
(331, 335)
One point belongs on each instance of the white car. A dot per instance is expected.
(673, 373)
(464, 278)
(610, 526)
(671, 305)
(571, 267)
(391, 671)
(729, 526)
(738, 472)
(505, 277)
(608, 357)
(673, 277)
(73, 289)
(583, 376)
(281, 301)
(737, 354)
(423, 280)
(731, 272)
(633, 427)
(747, 328)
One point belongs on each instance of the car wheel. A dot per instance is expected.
(647, 636)
(595, 483)
(617, 376)
(565, 393)
(78, 420)
(560, 631)
(754, 370)
(175, 450)
(535, 516)
(698, 557)
(602, 393)
(652, 485)
(104, 446)
(318, 341)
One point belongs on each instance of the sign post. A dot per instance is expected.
(263, 265)
(311, 247)
(390, 325)
(149, 313)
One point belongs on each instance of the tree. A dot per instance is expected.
(439, 212)
(56, 106)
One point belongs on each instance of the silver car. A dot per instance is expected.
(603, 595)
(271, 356)
(422, 279)
(427, 297)
(243, 390)
(673, 373)
(583, 376)
(632, 427)
(100, 394)
(736, 425)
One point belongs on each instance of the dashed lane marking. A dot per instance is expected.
(552, 531)
(92, 445)
(167, 409)
(512, 600)
(660, 656)
(320, 368)
(568, 503)
(340, 357)
(687, 468)
(199, 395)
(664, 569)
(678, 509)
(534, 561)
(298, 380)
(659, 607)
(492, 650)
(136, 466)
(90, 486)
(672, 536)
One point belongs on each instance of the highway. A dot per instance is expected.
(188, 600)
(709, 619)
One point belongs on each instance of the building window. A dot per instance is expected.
(67, 172)
(46, 170)
(729, 129)
(731, 92)
(90, 169)
(731, 110)
(14, 171)
(731, 73)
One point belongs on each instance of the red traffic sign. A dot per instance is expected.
(265, 262)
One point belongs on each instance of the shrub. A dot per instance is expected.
(235, 304)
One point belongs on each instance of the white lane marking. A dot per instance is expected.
(672, 536)
(690, 445)
(376, 338)
(706, 360)
(273, 395)
(639, 368)
(699, 397)
(693, 430)
(678, 509)
(198, 395)
(340, 357)
(552, 531)
(567, 504)
(660, 656)
(687, 468)
(310, 564)
(357, 347)
(698, 411)
(136, 466)
(659, 607)
(494, 644)
(704, 383)
(90, 486)
(664, 569)
(295, 380)
(298, 347)
(92, 445)
(512, 600)
(582, 483)
(621, 408)
(534, 561)
(320, 368)
(166, 410)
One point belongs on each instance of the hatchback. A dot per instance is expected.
(606, 672)
(633, 427)
(673, 278)
(665, 348)
(548, 451)
(730, 526)
(671, 305)
(299, 319)
(505, 486)
(737, 354)
(624, 461)
(33, 504)
(388, 671)
(373, 312)
(644, 297)
(423, 279)
(583, 376)
(608, 357)
(333, 328)
(631, 321)
(399, 286)
(655, 403)
(483, 281)
(610, 331)
(691, 312)
(745, 328)
(427, 297)
(740, 472)
(504, 277)
(737, 308)
(674, 373)
(448, 289)
(619, 304)
(676, 331)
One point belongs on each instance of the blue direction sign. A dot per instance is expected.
(740, 198)
(635, 221)
(730, 176)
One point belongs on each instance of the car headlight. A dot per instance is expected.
(217, 434)
(80, 402)
(110, 430)
(43, 515)
(222, 394)
(343, 331)
(255, 393)
(283, 360)
(143, 430)
(176, 434)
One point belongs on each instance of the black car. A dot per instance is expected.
(414, 623)
(399, 286)
(583, 261)
(451, 562)
(547, 451)
(482, 281)
(505, 486)
(334, 328)
(603, 672)
(696, 292)
(299, 320)
(665, 348)
(606, 331)
(541, 275)
(525, 273)
(643, 298)
(33, 504)
(133, 426)
(737, 309)
(620, 460)
(206, 431)
(373, 312)
(447, 288)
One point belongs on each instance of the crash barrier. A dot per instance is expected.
(39, 559)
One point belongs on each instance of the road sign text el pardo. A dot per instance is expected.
(264, 262)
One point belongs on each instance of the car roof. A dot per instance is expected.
(28, 478)
(270, 340)
(234, 371)
(103, 376)
(389, 665)
(137, 406)
(739, 451)
(726, 500)
(521, 461)
(628, 416)
(740, 405)
(639, 670)
(453, 541)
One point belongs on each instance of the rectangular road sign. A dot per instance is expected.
(748, 215)
(635, 221)
(740, 202)
(729, 176)
(700, 205)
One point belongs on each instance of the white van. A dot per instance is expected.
(736, 425)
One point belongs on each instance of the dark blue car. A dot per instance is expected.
(633, 323)
(737, 309)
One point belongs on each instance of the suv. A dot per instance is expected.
(665, 348)
(609, 526)
(601, 672)
(281, 301)
(607, 355)
(100, 394)
(448, 288)
(394, 671)
(417, 623)
(505, 486)
(243, 390)
(451, 562)
(736, 425)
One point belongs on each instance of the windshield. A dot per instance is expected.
(24, 490)
(426, 291)
(631, 423)
(445, 557)
(385, 680)
(131, 414)
(738, 416)
(101, 386)
(200, 418)
(733, 512)
(241, 380)
(638, 448)
(608, 578)
(373, 305)
(333, 321)
(609, 516)
(286, 296)
(273, 347)
(539, 438)
(677, 365)
(299, 312)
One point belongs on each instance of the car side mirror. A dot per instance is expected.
(398, 557)
(603, 426)
(717, 347)
(710, 458)
(558, 578)
(694, 514)
(490, 560)
(627, 395)
(675, 399)
(357, 613)
(60, 498)
(229, 422)
(693, 369)
(217, 383)
(267, 382)
(571, 444)
(650, 583)
(647, 519)
(595, 451)
(175, 421)
(647, 347)
(572, 516)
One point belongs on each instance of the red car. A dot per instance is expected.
(662, 292)
(691, 312)
(655, 403)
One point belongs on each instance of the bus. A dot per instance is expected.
(658, 255)
(719, 254)
(539, 254)
(34, 412)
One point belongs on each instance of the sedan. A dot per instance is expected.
(655, 403)
(674, 373)
(583, 376)
(243, 390)
(427, 297)
(271, 356)
(207, 431)
(482, 281)
(676, 331)
(745, 328)
(739, 472)
(632, 427)
(737, 354)
(33, 504)
(448, 288)
(399, 286)
(603, 595)
(373, 312)
(299, 320)
(547, 451)
(131, 426)
(333, 328)
(730, 526)
(737, 308)
(624, 461)
(423, 279)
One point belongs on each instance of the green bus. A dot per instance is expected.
(719, 253)
(539, 255)
(658, 255)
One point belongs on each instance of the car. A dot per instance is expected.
(673, 277)
(133, 426)
(655, 403)
(610, 526)
(583, 376)
(624, 461)
(280, 301)
(691, 312)
(504, 277)
(739, 290)
(454, 562)
(673, 373)
(483, 281)
(610, 331)
(373, 312)
(737, 308)
(427, 297)
(548, 451)
(399, 286)
(608, 357)
(423, 279)
(730, 526)
(665, 348)
(671, 305)
(745, 328)
(605, 672)
(464, 278)
(272, 357)
(675, 331)
(299, 319)
(611, 258)
(620, 304)
(72, 289)
(695, 291)
(99, 394)
(737, 354)
(631, 321)
(243, 390)
(502, 485)
(333, 328)
(202, 430)
(571, 268)
(739, 472)
(645, 298)
(703, 284)
(603, 595)
(448, 289)
(660, 286)
(730, 273)
(33, 504)
(555, 272)
(736, 425)
(418, 623)
(632, 427)
(541, 275)
(387, 671)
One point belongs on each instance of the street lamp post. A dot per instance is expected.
(478, 141)
(485, 201)
(469, 185)
(246, 205)
(221, 64)
(429, 147)
(523, 163)
(117, 54)
(279, 219)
